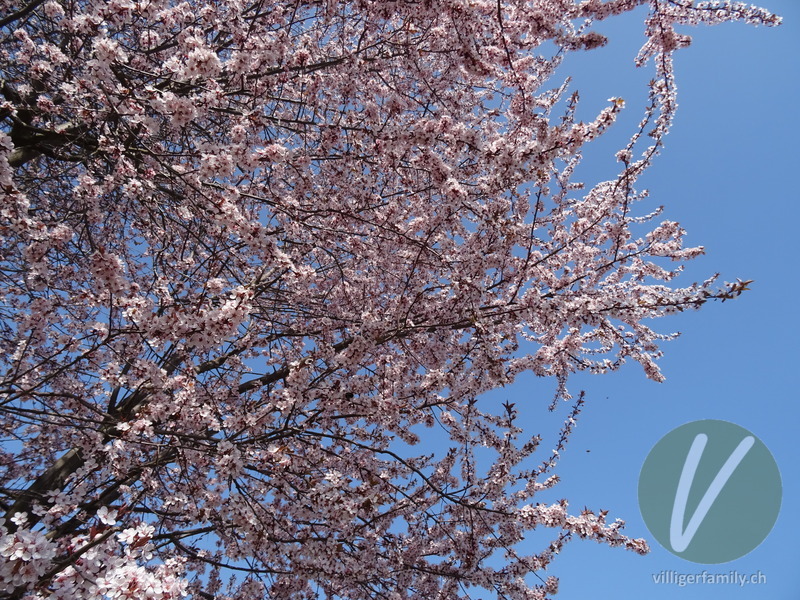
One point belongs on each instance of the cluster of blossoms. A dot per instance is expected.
(26, 556)
(254, 255)
(105, 566)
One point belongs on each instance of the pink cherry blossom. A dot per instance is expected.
(260, 264)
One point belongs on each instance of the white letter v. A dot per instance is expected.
(678, 538)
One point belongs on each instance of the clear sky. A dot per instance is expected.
(727, 175)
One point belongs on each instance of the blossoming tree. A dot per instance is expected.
(252, 251)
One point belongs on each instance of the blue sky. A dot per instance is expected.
(727, 175)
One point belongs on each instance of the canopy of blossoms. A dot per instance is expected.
(253, 250)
